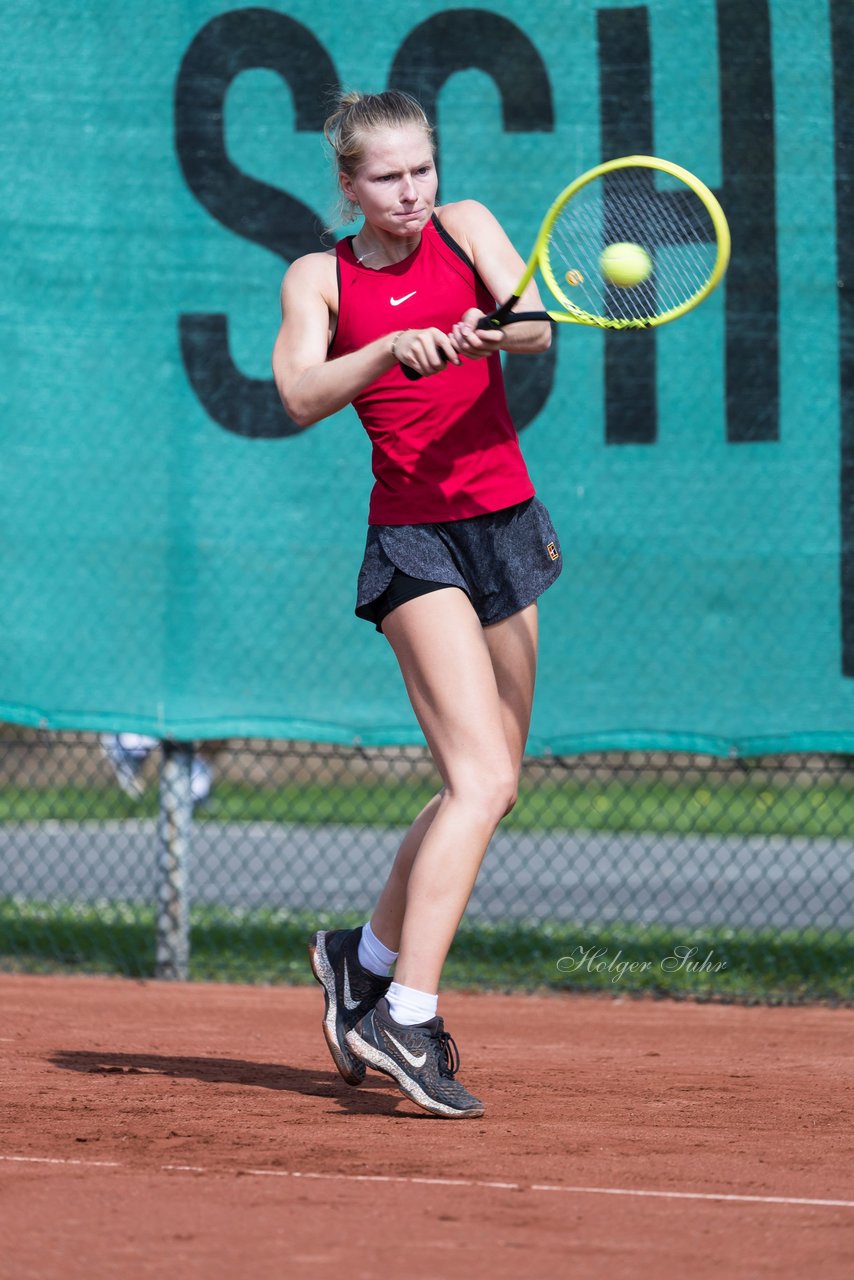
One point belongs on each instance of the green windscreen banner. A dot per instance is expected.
(178, 557)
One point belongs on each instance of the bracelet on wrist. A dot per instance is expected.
(394, 343)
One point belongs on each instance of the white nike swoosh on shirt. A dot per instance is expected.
(395, 302)
(349, 1002)
(410, 1057)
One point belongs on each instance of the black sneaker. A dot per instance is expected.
(422, 1059)
(350, 992)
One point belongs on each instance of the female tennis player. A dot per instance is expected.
(458, 551)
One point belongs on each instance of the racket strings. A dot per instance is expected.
(672, 226)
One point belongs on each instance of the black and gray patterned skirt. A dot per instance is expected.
(502, 560)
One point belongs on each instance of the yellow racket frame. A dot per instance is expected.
(574, 314)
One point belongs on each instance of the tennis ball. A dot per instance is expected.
(625, 264)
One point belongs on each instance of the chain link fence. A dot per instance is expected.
(625, 871)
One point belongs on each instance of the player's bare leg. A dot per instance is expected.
(512, 649)
(471, 692)
(471, 689)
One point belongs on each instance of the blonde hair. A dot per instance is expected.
(357, 115)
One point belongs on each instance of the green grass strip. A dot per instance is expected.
(654, 806)
(714, 963)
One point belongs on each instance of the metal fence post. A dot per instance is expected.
(175, 830)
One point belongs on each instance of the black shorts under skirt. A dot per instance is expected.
(502, 560)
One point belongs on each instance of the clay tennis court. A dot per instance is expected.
(202, 1129)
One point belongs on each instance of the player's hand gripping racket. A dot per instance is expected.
(630, 244)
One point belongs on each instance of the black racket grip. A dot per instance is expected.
(499, 319)
(412, 374)
(500, 316)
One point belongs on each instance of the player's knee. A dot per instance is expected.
(509, 792)
(512, 797)
(489, 793)
(500, 790)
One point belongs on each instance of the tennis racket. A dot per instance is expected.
(630, 244)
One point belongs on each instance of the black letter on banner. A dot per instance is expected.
(466, 39)
(235, 42)
(842, 38)
(748, 156)
(625, 80)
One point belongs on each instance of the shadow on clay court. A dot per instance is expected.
(374, 1095)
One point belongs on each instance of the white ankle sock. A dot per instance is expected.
(373, 954)
(408, 1006)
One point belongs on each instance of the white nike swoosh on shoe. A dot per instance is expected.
(349, 1003)
(395, 302)
(404, 1052)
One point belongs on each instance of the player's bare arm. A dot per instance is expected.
(498, 264)
(313, 387)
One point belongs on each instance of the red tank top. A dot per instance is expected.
(444, 448)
